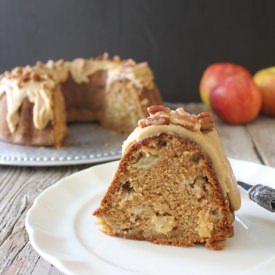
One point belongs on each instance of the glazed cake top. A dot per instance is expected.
(37, 83)
(198, 128)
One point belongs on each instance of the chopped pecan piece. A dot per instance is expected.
(35, 76)
(45, 86)
(104, 56)
(116, 58)
(17, 71)
(50, 64)
(48, 76)
(26, 77)
(39, 64)
(129, 63)
(60, 62)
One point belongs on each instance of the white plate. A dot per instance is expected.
(87, 143)
(63, 231)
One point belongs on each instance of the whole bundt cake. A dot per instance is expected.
(173, 184)
(37, 102)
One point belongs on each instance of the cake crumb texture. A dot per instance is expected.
(165, 191)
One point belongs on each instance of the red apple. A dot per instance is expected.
(237, 100)
(265, 80)
(215, 74)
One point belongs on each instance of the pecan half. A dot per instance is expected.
(207, 122)
(158, 108)
(182, 112)
(188, 121)
(158, 120)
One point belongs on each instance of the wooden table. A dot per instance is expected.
(19, 186)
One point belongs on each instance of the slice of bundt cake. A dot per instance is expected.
(37, 102)
(173, 184)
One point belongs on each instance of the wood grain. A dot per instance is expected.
(19, 186)
(263, 132)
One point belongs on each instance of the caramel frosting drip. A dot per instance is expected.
(37, 83)
(37, 88)
(195, 128)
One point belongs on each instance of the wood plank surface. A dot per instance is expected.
(19, 186)
(263, 132)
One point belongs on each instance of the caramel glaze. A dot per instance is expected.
(38, 83)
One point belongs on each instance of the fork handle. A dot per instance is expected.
(264, 196)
